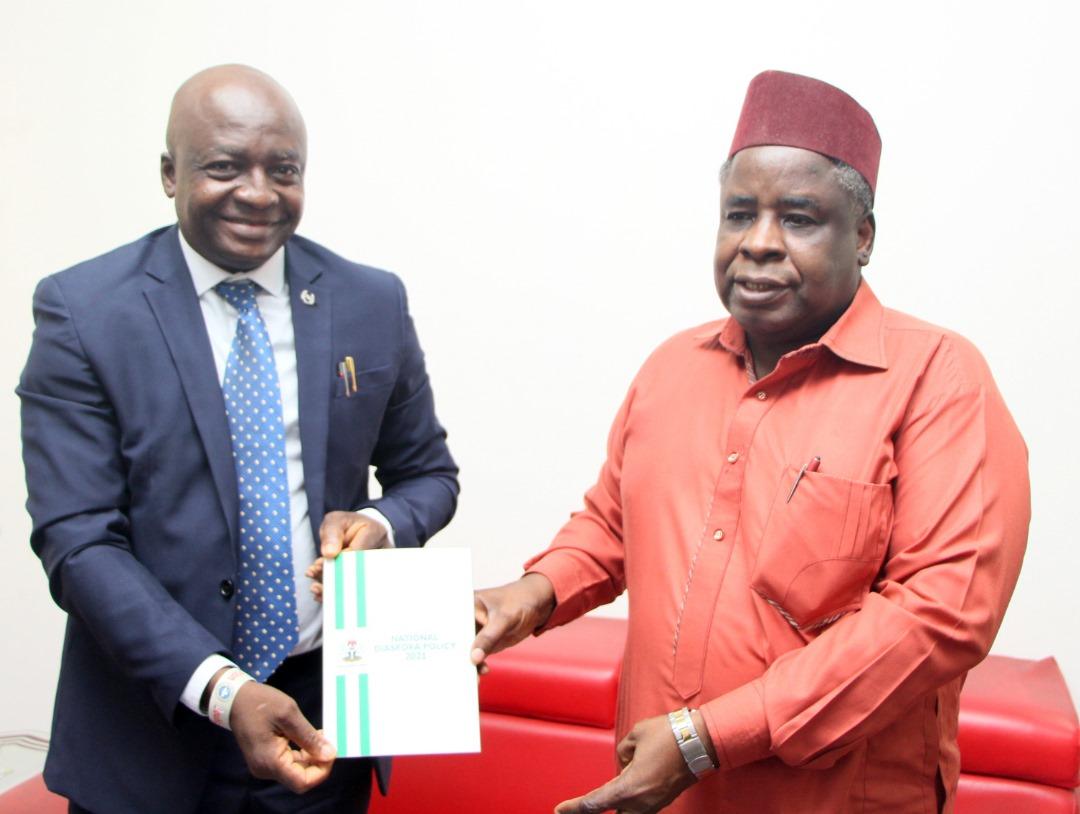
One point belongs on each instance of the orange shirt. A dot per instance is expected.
(823, 622)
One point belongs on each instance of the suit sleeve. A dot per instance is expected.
(412, 462)
(78, 501)
(962, 505)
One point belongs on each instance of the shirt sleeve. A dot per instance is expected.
(961, 509)
(379, 518)
(193, 690)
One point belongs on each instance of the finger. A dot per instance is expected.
(489, 639)
(477, 653)
(299, 730)
(480, 611)
(330, 535)
(299, 772)
(308, 769)
(612, 794)
(609, 795)
(315, 570)
(624, 752)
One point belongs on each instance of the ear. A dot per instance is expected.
(865, 238)
(168, 175)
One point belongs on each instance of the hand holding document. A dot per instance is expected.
(397, 628)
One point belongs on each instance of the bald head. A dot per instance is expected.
(231, 91)
(236, 150)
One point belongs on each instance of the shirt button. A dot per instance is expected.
(761, 395)
(718, 535)
(733, 457)
(227, 588)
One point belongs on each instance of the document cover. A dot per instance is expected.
(397, 629)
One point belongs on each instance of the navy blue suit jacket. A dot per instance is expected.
(133, 493)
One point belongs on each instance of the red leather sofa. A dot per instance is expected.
(548, 716)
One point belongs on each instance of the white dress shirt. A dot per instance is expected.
(272, 297)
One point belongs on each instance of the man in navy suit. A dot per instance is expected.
(136, 479)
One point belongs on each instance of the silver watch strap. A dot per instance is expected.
(686, 736)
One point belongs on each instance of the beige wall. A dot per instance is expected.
(543, 175)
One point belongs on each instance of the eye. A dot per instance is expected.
(287, 172)
(220, 169)
(799, 221)
(738, 216)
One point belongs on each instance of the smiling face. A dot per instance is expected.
(237, 149)
(789, 250)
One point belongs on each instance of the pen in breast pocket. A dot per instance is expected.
(810, 466)
(343, 374)
(350, 365)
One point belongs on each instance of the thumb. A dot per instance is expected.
(480, 610)
(606, 797)
(299, 730)
(489, 637)
(330, 536)
(363, 534)
(624, 752)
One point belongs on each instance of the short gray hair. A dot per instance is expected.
(852, 182)
(849, 178)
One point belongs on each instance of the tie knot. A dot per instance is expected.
(240, 295)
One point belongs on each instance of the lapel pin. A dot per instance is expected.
(307, 297)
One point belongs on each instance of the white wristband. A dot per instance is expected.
(224, 693)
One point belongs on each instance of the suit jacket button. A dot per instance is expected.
(227, 588)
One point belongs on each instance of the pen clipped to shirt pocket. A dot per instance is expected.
(822, 546)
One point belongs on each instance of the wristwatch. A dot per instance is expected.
(686, 736)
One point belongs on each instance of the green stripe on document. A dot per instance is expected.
(361, 601)
(342, 728)
(365, 730)
(339, 593)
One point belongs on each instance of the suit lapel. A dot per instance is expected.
(172, 298)
(309, 299)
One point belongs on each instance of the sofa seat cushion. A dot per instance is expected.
(979, 794)
(527, 766)
(1017, 720)
(569, 674)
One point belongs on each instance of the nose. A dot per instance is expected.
(763, 241)
(256, 190)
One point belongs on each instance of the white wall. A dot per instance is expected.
(543, 175)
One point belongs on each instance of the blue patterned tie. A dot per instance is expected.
(266, 623)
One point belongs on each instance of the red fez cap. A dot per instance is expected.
(790, 110)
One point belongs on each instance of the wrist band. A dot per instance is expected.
(686, 736)
(224, 693)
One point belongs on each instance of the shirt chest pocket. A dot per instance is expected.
(822, 545)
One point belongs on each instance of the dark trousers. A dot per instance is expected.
(230, 788)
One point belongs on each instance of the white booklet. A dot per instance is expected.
(397, 628)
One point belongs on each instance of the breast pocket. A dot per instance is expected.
(356, 412)
(356, 418)
(374, 380)
(822, 546)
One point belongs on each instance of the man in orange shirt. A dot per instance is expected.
(818, 507)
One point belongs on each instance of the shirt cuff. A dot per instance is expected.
(380, 518)
(738, 727)
(577, 589)
(193, 690)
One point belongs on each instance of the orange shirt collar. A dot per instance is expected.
(858, 336)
